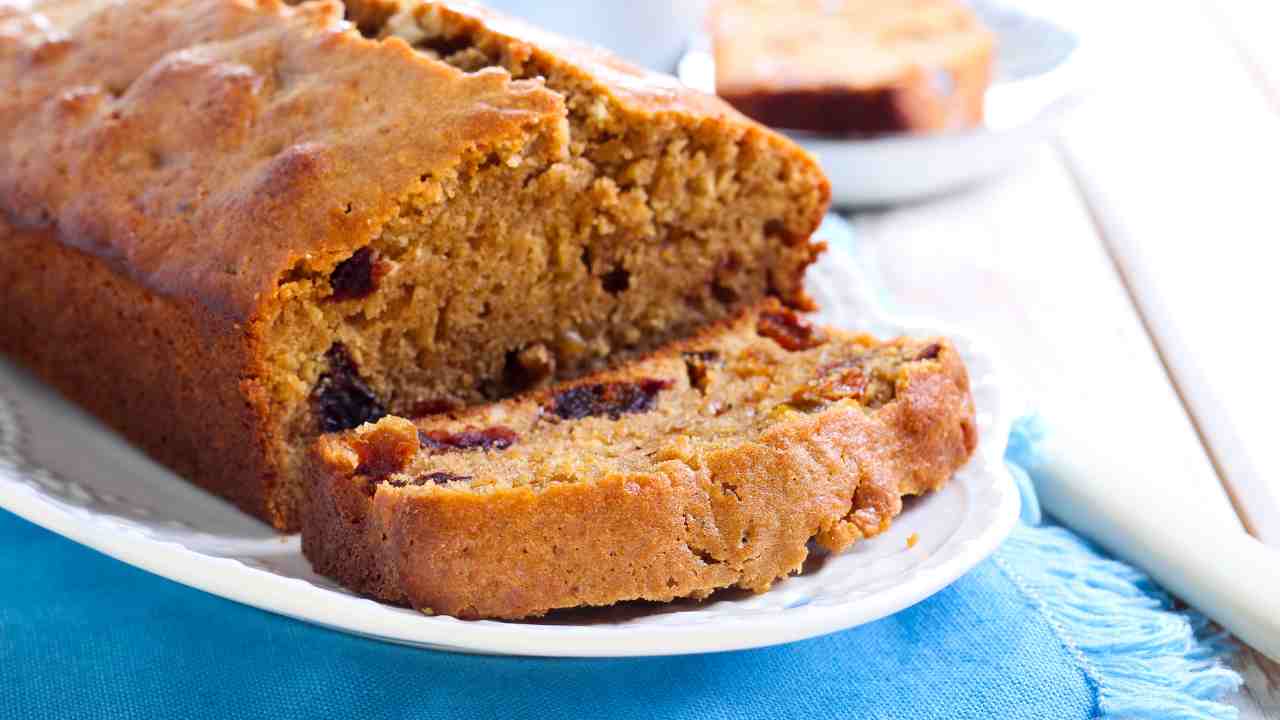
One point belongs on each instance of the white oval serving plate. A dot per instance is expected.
(62, 470)
(1040, 75)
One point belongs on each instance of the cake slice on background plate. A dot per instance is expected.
(853, 67)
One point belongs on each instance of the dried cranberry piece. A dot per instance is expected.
(438, 477)
(859, 378)
(438, 406)
(836, 382)
(444, 46)
(930, 352)
(789, 330)
(527, 368)
(721, 280)
(612, 399)
(490, 438)
(357, 276)
(616, 280)
(696, 364)
(342, 399)
(724, 294)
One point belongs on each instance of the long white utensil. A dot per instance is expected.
(1093, 483)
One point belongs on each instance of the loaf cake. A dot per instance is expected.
(231, 225)
(853, 67)
(709, 464)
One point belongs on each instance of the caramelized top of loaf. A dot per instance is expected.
(794, 44)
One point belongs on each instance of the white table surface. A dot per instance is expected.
(1130, 264)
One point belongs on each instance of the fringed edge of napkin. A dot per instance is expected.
(1144, 656)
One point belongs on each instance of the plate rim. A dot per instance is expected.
(295, 598)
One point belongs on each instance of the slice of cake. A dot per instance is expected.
(231, 225)
(853, 67)
(708, 465)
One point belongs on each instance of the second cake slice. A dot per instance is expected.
(711, 464)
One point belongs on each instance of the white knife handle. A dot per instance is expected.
(1097, 487)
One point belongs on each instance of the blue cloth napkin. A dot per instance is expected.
(1046, 628)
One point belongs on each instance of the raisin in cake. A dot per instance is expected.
(230, 225)
(854, 67)
(707, 465)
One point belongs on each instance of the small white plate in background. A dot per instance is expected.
(1040, 75)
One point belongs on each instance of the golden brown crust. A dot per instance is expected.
(739, 515)
(64, 314)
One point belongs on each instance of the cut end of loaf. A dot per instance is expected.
(708, 465)
(523, 266)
